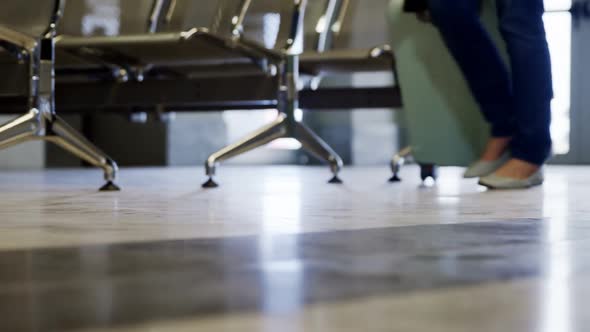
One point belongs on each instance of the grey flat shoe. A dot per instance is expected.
(484, 168)
(497, 182)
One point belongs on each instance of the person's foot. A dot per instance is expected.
(482, 168)
(495, 155)
(517, 169)
(515, 174)
(495, 148)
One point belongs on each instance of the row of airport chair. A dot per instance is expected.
(185, 58)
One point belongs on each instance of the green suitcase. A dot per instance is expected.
(443, 122)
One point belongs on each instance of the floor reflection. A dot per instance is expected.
(282, 270)
(556, 299)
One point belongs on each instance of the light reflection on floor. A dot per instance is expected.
(556, 292)
(62, 209)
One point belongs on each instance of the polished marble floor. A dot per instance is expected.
(278, 249)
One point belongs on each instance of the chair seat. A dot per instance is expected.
(160, 49)
(347, 61)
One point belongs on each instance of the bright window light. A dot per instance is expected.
(321, 26)
(298, 114)
(555, 5)
(285, 144)
(559, 32)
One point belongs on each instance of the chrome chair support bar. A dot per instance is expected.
(286, 125)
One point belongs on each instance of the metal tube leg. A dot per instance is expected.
(397, 162)
(264, 135)
(21, 129)
(316, 146)
(68, 138)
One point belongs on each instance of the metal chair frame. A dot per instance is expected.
(41, 122)
(286, 125)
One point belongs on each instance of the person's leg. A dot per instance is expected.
(521, 24)
(484, 69)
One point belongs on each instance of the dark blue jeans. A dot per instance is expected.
(516, 101)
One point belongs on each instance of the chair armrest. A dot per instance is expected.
(58, 12)
(336, 27)
(246, 47)
(18, 39)
(238, 20)
(161, 13)
(297, 21)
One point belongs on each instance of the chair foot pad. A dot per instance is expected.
(210, 184)
(335, 180)
(395, 178)
(110, 186)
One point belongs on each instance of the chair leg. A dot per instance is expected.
(69, 139)
(24, 128)
(313, 144)
(49, 127)
(397, 162)
(264, 135)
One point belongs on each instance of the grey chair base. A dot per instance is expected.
(427, 170)
(41, 121)
(398, 161)
(47, 126)
(282, 127)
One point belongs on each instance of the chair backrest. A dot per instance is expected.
(364, 25)
(323, 21)
(265, 21)
(217, 16)
(105, 17)
(160, 14)
(320, 22)
(30, 17)
(120, 17)
(271, 22)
